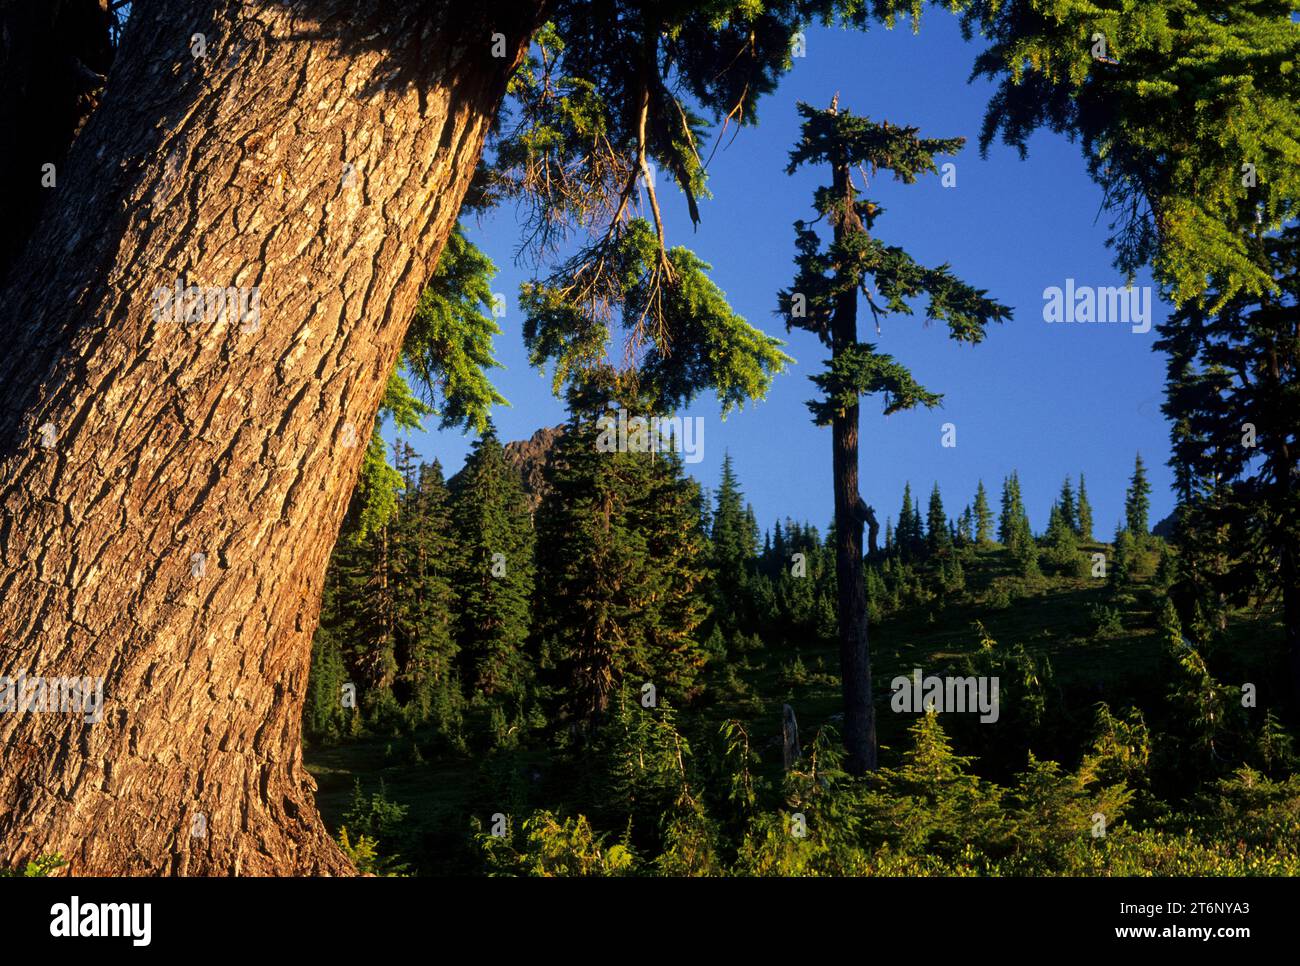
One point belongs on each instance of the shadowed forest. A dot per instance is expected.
(617, 709)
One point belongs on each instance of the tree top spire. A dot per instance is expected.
(841, 137)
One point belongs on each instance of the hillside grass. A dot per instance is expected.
(1051, 618)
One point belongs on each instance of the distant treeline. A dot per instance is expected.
(460, 609)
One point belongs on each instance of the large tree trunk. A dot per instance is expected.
(855, 655)
(321, 155)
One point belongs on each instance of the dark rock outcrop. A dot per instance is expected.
(529, 457)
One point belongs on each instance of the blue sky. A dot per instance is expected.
(1047, 400)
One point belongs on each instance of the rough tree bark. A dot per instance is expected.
(170, 491)
(850, 514)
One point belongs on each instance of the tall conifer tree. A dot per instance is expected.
(733, 540)
(824, 300)
(937, 535)
(1084, 528)
(493, 581)
(1233, 399)
(983, 517)
(427, 651)
(1069, 511)
(1137, 501)
(1013, 526)
(622, 555)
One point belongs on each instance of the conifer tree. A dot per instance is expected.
(1233, 401)
(824, 300)
(357, 635)
(1012, 528)
(937, 535)
(428, 672)
(372, 642)
(983, 517)
(324, 715)
(733, 535)
(622, 555)
(916, 529)
(1084, 528)
(966, 526)
(1137, 501)
(358, 613)
(493, 582)
(1186, 112)
(1120, 572)
(751, 521)
(909, 535)
(1069, 512)
(1060, 540)
(1006, 514)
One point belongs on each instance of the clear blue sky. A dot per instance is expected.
(1048, 400)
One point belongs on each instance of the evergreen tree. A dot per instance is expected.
(1007, 515)
(386, 611)
(448, 348)
(966, 526)
(357, 619)
(805, 604)
(951, 575)
(780, 552)
(1069, 513)
(1084, 527)
(937, 535)
(1013, 525)
(1146, 88)
(324, 715)
(1137, 501)
(1233, 400)
(903, 535)
(824, 300)
(398, 576)
(1120, 572)
(733, 536)
(983, 517)
(493, 581)
(622, 556)
(910, 533)
(1060, 540)
(916, 530)
(428, 672)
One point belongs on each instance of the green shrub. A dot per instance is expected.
(1106, 621)
(36, 869)
(550, 846)
(365, 856)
